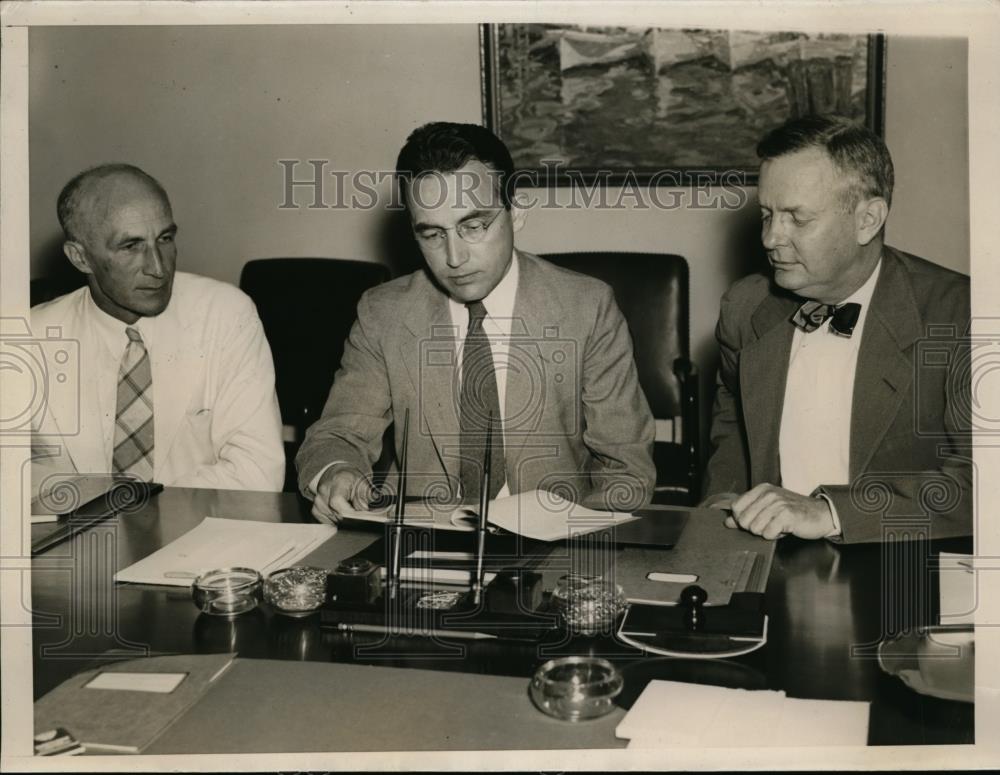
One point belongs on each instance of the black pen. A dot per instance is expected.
(484, 505)
(396, 533)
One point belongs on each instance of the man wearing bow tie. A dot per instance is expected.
(828, 422)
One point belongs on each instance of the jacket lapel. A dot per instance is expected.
(427, 352)
(536, 311)
(763, 370)
(883, 373)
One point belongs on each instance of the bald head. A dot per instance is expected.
(120, 232)
(90, 197)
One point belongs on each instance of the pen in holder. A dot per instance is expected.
(484, 505)
(396, 533)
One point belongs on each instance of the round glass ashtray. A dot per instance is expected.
(227, 591)
(296, 591)
(588, 605)
(576, 688)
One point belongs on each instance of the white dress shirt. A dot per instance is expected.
(110, 332)
(814, 442)
(497, 326)
(215, 414)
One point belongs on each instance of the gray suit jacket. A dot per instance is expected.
(576, 420)
(910, 449)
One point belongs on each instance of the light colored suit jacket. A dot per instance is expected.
(216, 420)
(576, 420)
(910, 448)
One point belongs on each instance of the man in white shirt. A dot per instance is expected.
(176, 381)
(829, 421)
(487, 334)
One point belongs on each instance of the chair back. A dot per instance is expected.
(307, 307)
(652, 291)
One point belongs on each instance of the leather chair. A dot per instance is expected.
(307, 307)
(51, 287)
(652, 291)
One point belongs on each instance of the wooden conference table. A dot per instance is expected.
(828, 605)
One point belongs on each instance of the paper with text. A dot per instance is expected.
(227, 543)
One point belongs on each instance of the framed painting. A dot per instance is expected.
(664, 105)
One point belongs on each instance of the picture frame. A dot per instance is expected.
(656, 106)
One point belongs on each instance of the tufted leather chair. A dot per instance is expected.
(652, 291)
(307, 307)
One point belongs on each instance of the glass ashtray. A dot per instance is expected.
(588, 605)
(296, 591)
(576, 688)
(227, 591)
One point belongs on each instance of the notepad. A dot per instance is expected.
(98, 709)
(227, 543)
(674, 714)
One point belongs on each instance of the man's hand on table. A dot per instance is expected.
(771, 512)
(341, 489)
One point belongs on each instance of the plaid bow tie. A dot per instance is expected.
(813, 314)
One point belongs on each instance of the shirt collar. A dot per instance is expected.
(863, 295)
(111, 331)
(499, 302)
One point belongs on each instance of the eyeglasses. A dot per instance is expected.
(471, 231)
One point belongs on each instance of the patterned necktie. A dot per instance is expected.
(480, 400)
(134, 414)
(813, 314)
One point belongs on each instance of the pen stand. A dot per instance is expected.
(514, 590)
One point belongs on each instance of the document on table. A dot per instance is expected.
(958, 588)
(537, 514)
(227, 543)
(62, 493)
(673, 714)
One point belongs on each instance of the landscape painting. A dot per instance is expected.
(643, 100)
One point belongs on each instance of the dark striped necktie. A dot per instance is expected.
(479, 401)
(134, 412)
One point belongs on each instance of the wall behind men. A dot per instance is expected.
(211, 110)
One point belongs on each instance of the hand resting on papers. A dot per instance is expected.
(341, 489)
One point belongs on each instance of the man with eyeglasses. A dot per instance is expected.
(490, 350)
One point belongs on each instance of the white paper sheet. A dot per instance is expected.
(546, 516)
(420, 514)
(958, 588)
(227, 543)
(673, 714)
(536, 514)
(159, 683)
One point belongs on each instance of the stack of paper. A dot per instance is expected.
(227, 543)
(537, 514)
(672, 714)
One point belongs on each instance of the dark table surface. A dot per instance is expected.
(829, 606)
